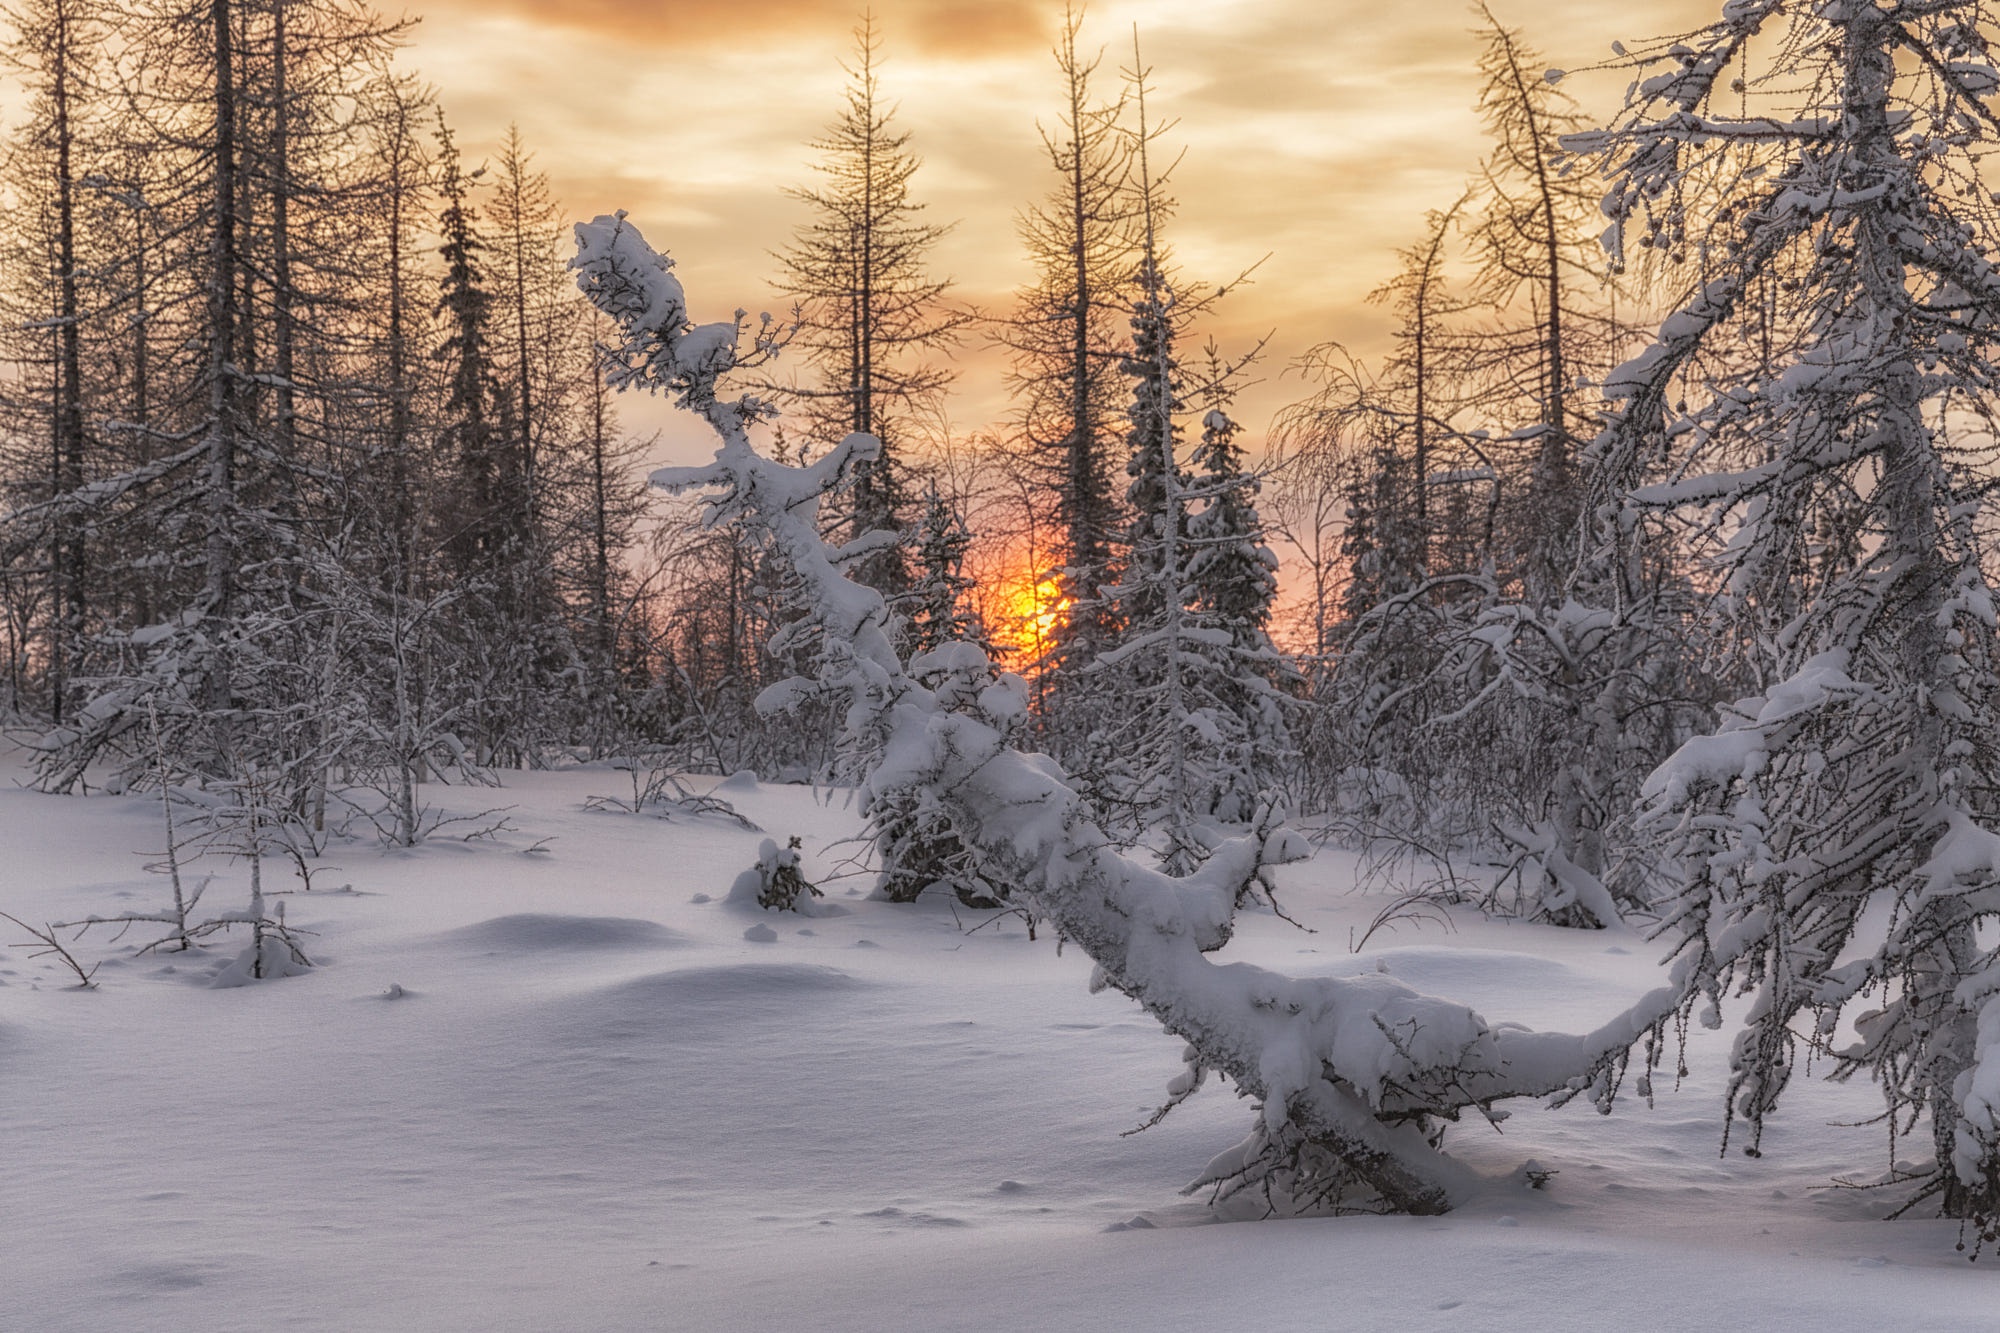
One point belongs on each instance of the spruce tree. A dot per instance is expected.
(1189, 675)
(1232, 580)
(940, 609)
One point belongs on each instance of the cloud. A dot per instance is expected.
(932, 28)
(1317, 131)
(979, 27)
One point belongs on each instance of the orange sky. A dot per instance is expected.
(1317, 131)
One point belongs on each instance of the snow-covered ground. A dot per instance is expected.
(562, 1090)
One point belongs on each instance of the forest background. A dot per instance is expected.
(1637, 575)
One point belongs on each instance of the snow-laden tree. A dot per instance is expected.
(1232, 579)
(1351, 1074)
(1837, 840)
(1495, 700)
(913, 837)
(1193, 732)
(1144, 750)
(1460, 723)
(1201, 735)
(940, 608)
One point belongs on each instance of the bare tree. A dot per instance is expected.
(1534, 224)
(869, 311)
(1067, 342)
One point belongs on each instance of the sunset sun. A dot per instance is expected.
(1032, 610)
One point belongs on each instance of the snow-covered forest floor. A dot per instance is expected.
(593, 1102)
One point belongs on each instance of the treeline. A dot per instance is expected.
(310, 468)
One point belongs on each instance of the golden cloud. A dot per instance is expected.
(1316, 131)
(934, 28)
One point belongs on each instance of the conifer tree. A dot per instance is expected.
(479, 521)
(1177, 748)
(1232, 580)
(488, 535)
(1067, 346)
(1836, 842)
(56, 52)
(940, 610)
(1534, 226)
(870, 313)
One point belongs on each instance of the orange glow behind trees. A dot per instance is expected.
(1027, 605)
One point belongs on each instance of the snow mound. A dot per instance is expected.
(1480, 976)
(538, 932)
(271, 960)
(743, 987)
(712, 1008)
(741, 780)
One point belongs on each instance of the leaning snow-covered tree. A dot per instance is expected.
(1351, 1074)
(1835, 839)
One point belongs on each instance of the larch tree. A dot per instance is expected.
(240, 498)
(870, 313)
(604, 504)
(1534, 223)
(1387, 437)
(544, 368)
(1498, 696)
(1835, 843)
(1067, 344)
(547, 359)
(55, 50)
(397, 593)
(1423, 378)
